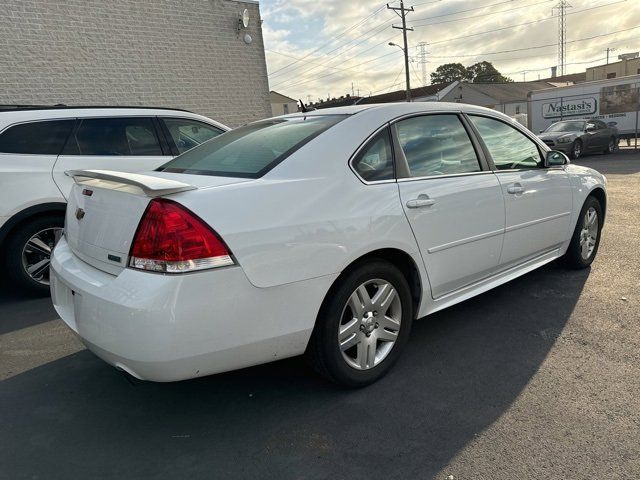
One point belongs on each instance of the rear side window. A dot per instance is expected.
(252, 150)
(510, 149)
(187, 134)
(436, 145)
(375, 161)
(36, 138)
(114, 136)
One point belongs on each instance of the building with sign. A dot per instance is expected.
(205, 56)
(615, 101)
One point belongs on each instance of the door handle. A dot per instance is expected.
(422, 201)
(515, 189)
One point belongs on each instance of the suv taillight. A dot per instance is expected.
(171, 239)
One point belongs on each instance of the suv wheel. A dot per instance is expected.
(28, 252)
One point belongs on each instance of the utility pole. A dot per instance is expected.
(562, 33)
(609, 49)
(402, 13)
(423, 61)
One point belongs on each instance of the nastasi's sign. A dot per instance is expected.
(570, 108)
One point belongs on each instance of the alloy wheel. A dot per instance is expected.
(370, 324)
(36, 254)
(577, 150)
(589, 233)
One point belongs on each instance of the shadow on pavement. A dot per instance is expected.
(19, 309)
(79, 418)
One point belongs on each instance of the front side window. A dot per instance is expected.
(187, 134)
(36, 138)
(436, 145)
(375, 161)
(252, 150)
(114, 136)
(510, 149)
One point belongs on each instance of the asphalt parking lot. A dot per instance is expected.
(539, 378)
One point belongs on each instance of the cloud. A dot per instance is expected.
(316, 48)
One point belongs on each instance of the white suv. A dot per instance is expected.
(38, 144)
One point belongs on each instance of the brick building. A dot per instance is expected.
(187, 54)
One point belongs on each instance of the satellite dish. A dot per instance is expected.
(245, 18)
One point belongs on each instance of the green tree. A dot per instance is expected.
(449, 72)
(485, 72)
(481, 72)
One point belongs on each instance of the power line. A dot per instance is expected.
(531, 48)
(523, 24)
(357, 24)
(473, 55)
(473, 17)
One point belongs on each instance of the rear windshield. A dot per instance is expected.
(252, 150)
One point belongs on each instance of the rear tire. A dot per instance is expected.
(29, 246)
(611, 146)
(358, 336)
(586, 236)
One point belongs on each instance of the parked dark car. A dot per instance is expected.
(578, 137)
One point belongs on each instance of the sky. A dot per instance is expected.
(321, 48)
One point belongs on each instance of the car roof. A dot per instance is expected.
(396, 109)
(35, 113)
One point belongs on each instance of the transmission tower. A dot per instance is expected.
(423, 62)
(561, 7)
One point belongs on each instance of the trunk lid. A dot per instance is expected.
(105, 208)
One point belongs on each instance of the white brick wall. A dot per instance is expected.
(171, 53)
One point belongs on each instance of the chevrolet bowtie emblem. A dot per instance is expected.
(79, 213)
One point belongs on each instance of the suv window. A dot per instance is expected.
(114, 136)
(36, 138)
(510, 149)
(436, 145)
(375, 161)
(252, 150)
(187, 134)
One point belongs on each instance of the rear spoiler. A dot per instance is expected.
(151, 186)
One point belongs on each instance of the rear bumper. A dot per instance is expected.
(173, 327)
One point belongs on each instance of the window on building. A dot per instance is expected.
(187, 133)
(36, 138)
(375, 161)
(509, 148)
(114, 136)
(436, 145)
(611, 75)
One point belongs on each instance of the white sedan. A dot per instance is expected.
(325, 233)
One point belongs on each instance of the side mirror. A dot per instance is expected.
(591, 128)
(542, 131)
(555, 159)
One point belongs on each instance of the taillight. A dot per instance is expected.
(172, 239)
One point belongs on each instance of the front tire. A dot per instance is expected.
(586, 236)
(28, 252)
(363, 325)
(576, 149)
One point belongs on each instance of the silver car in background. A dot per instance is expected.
(578, 137)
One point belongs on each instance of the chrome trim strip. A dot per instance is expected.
(464, 241)
(535, 222)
